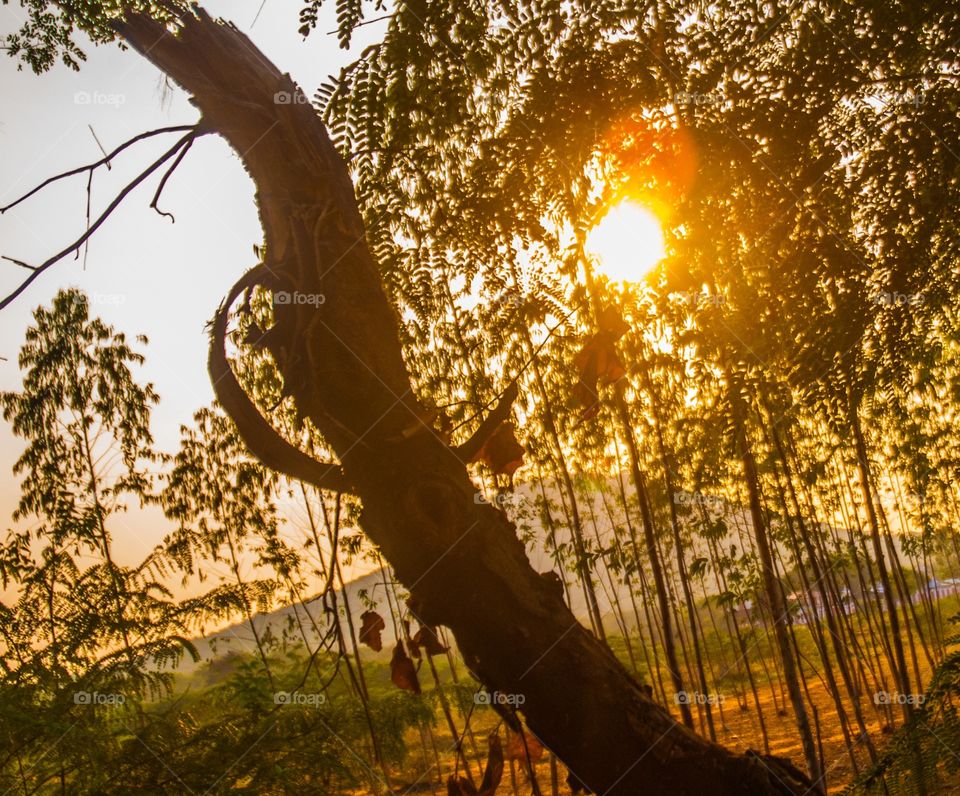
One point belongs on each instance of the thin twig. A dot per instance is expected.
(109, 165)
(130, 187)
(94, 134)
(523, 367)
(21, 263)
(333, 545)
(365, 22)
(166, 176)
(259, 11)
(103, 161)
(86, 245)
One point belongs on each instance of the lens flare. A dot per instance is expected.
(627, 242)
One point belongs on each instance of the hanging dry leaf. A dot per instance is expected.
(460, 786)
(371, 625)
(501, 452)
(516, 750)
(612, 322)
(494, 770)
(414, 649)
(598, 364)
(402, 672)
(427, 640)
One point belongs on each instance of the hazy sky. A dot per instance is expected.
(144, 274)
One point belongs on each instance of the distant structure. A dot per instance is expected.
(942, 587)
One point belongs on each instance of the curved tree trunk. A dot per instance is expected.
(341, 362)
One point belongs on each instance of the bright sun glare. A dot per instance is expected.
(627, 242)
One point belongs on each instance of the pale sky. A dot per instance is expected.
(144, 274)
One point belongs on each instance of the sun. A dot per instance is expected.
(627, 242)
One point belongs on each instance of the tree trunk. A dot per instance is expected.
(772, 586)
(678, 543)
(342, 363)
(898, 663)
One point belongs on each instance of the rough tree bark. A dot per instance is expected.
(342, 363)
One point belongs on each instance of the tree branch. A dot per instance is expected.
(498, 414)
(166, 176)
(129, 188)
(105, 160)
(21, 263)
(259, 436)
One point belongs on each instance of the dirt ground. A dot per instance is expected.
(736, 728)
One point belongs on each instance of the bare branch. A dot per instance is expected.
(102, 162)
(21, 263)
(75, 246)
(166, 176)
(101, 146)
(365, 22)
(259, 436)
(498, 414)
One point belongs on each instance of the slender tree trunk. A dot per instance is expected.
(653, 556)
(678, 545)
(899, 663)
(772, 586)
(553, 435)
(100, 512)
(823, 582)
(245, 602)
(653, 668)
(614, 597)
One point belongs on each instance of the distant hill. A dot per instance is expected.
(519, 504)
(283, 622)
